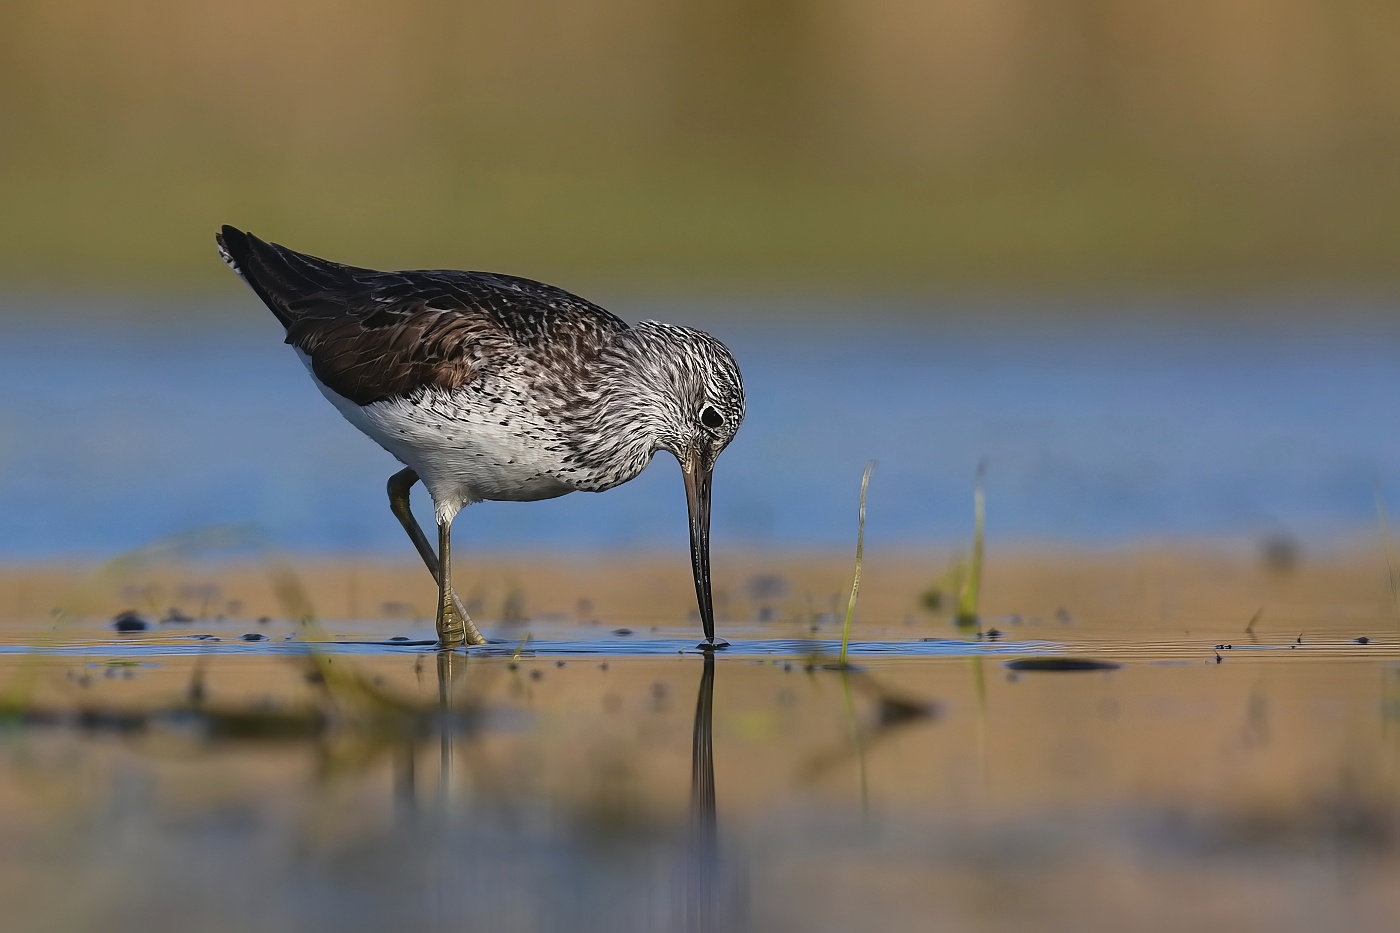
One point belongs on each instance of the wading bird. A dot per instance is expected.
(489, 386)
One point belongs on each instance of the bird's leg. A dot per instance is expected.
(454, 626)
(399, 485)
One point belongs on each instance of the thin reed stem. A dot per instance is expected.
(860, 553)
(971, 595)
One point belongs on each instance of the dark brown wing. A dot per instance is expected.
(373, 336)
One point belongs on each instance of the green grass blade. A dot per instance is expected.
(860, 552)
(971, 593)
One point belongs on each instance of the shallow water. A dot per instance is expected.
(116, 434)
(607, 776)
(584, 780)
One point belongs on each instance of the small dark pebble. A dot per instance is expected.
(622, 631)
(603, 666)
(399, 638)
(1062, 664)
(537, 675)
(1218, 658)
(1363, 640)
(253, 636)
(993, 634)
(559, 663)
(787, 665)
(264, 620)
(130, 621)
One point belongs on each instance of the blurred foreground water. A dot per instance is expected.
(172, 781)
(115, 433)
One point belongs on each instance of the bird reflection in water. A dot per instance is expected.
(707, 891)
(711, 901)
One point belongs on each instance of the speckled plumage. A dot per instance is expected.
(495, 387)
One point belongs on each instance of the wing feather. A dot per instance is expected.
(372, 336)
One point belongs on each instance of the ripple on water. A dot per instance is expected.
(540, 647)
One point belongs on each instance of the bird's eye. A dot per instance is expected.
(711, 418)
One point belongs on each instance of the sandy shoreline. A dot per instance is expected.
(1140, 587)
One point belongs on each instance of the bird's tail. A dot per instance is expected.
(287, 281)
(240, 252)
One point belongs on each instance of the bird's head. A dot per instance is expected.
(696, 393)
(666, 387)
(684, 395)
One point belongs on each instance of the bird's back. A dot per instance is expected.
(375, 336)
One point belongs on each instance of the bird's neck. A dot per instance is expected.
(622, 418)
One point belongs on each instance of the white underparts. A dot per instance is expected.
(465, 446)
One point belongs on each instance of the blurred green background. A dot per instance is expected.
(714, 147)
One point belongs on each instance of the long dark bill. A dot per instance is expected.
(697, 499)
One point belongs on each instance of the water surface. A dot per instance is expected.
(116, 434)
(259, 786)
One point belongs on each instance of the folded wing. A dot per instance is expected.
(372, 336)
